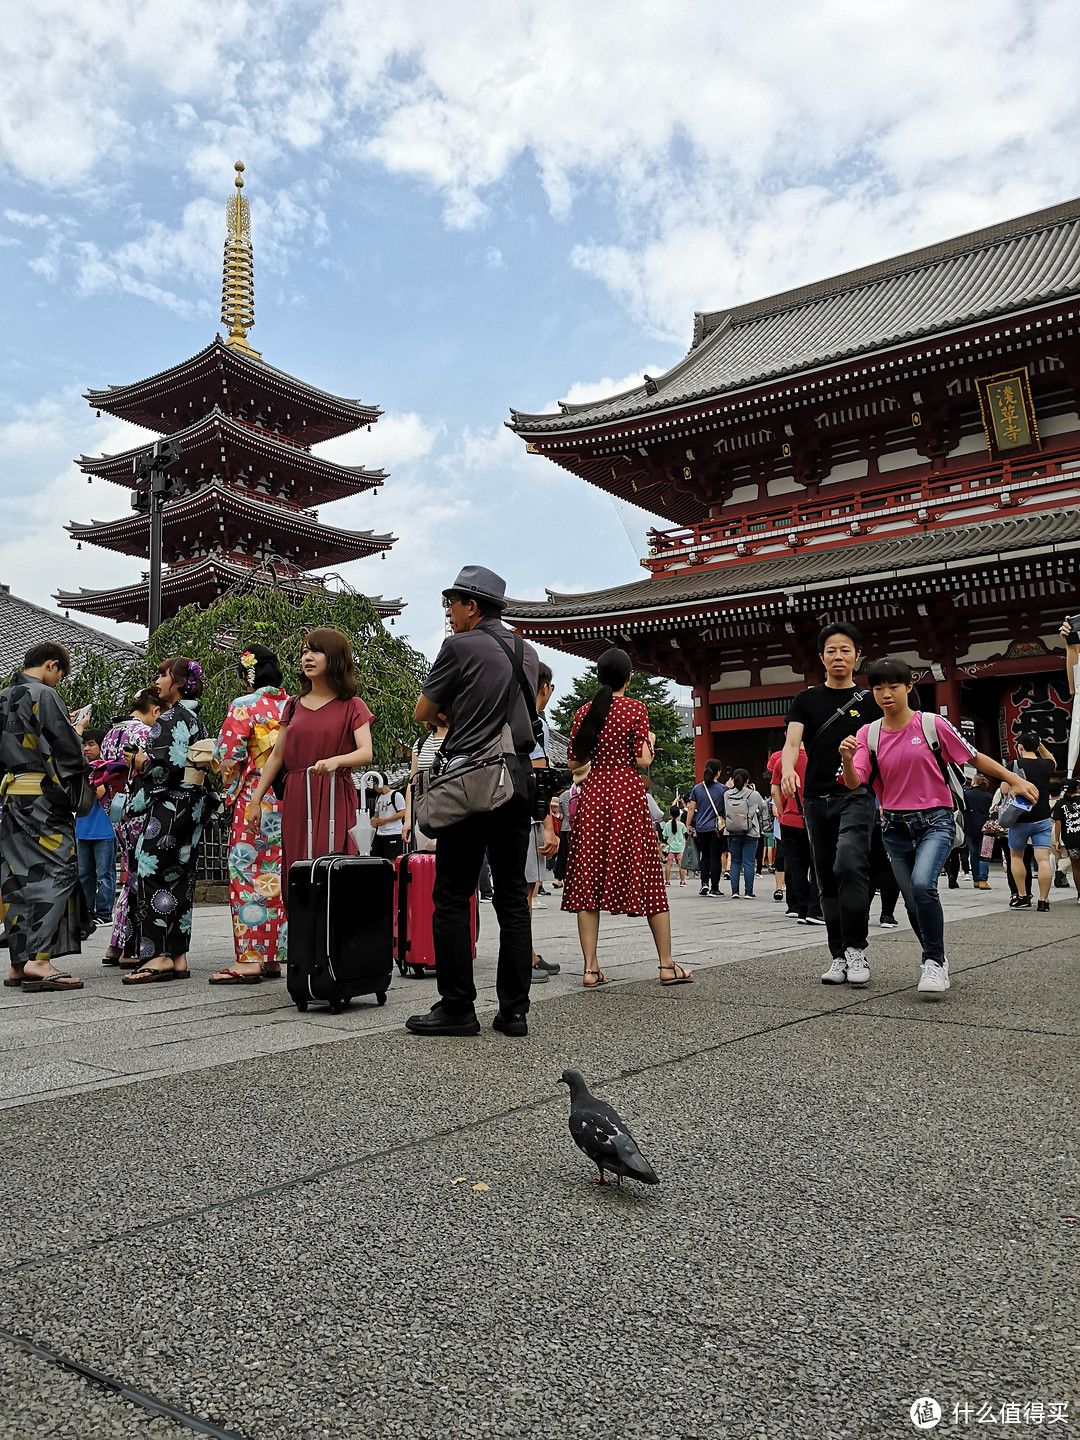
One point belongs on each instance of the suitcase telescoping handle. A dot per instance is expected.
(333, 828)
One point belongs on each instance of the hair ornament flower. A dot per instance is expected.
(194, 669)
(247, 660)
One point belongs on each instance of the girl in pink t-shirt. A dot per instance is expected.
(917, 823)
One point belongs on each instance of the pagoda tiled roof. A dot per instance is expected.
(145, 402)
(130, 534)
(22, 624)
(325, 479)
(199, 582)
(992, 272)
(877, 561)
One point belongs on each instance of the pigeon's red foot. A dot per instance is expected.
(594, 1181)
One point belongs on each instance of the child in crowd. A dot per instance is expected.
(897, 756)
(675, 836)
(95, 839)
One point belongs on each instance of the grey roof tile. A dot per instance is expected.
(23, 624)
(1032, 259)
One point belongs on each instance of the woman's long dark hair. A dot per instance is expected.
(613, 670)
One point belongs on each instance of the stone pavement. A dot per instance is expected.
(250, 1216)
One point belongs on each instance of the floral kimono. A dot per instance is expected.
(129, 828)
(258, 911)
(161, 882)
(43, 905)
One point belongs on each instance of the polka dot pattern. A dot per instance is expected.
(614, 862)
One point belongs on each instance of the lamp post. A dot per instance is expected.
(153, 487)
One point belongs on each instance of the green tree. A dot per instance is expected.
(673, 768)
(389, 671)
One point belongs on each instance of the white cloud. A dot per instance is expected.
(395, 439)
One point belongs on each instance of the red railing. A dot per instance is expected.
(879, 502)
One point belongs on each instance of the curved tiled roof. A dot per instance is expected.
(22, 624)
(775, 574)
(991, 272)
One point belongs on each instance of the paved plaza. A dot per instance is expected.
(268, 1221)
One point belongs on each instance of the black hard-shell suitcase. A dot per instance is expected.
(341, 926)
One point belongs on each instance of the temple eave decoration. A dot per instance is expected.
(247, 476)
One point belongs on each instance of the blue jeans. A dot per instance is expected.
(97, 874)
(743, 851)
(918, 843)
(980, 868)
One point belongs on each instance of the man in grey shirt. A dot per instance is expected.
(470, 682)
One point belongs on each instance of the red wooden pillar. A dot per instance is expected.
(947, 695)
(702, 722)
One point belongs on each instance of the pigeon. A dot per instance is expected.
(601, 1133)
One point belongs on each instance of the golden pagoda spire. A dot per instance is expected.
(238, 284)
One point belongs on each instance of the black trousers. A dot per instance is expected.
(504, 834)
(799, 877)
(710, 850)
(386, 847)
(882, 876)
(841, 829)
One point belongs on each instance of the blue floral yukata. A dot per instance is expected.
(161, 881)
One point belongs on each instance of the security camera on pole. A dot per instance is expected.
(153, 487)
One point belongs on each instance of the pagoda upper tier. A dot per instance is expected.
(240, 385)
(226, 520)
(239, 493)
(219, 447)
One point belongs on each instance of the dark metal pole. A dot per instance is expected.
(157, 505)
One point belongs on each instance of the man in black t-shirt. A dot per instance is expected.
(470, 682)
(839, 822)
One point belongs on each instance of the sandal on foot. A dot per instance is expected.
(56, 981)
(148, 977)
(13, 983)
(127, 962)
(678, 974)
(593, 979)
(271, 972)
(111, 957)
(235, 977)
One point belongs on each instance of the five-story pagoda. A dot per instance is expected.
(246, 475)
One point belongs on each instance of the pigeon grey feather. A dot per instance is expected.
(601, 1133)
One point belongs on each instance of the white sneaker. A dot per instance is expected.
(858, 972)
(934, 978)
(836, 974)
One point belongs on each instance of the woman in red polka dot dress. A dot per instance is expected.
(614, 862)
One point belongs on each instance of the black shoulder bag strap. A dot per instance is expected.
(515, 657)
(856, 699)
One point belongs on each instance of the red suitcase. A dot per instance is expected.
(414, 948)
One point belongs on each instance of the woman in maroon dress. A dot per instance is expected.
(614, 861)
(328, 728)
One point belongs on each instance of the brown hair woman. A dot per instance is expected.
(326, 728)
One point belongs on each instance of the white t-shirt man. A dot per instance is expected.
(390, 808)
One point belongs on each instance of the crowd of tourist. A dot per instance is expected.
(867, 795)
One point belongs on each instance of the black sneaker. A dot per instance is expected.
(514, 1024)
(704, 890)
(1043, 905)
(550, 966)
(778, 895)
(1020, 902)
(888, 922)
(438, 1021)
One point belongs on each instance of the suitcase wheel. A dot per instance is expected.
(381, 997)
(403, 967)
(337, 1006)
(301, 1005)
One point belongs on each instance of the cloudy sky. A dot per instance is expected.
(462, 207)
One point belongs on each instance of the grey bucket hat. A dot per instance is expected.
(475, 580)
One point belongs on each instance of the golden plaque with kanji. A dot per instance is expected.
(1008, 412)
